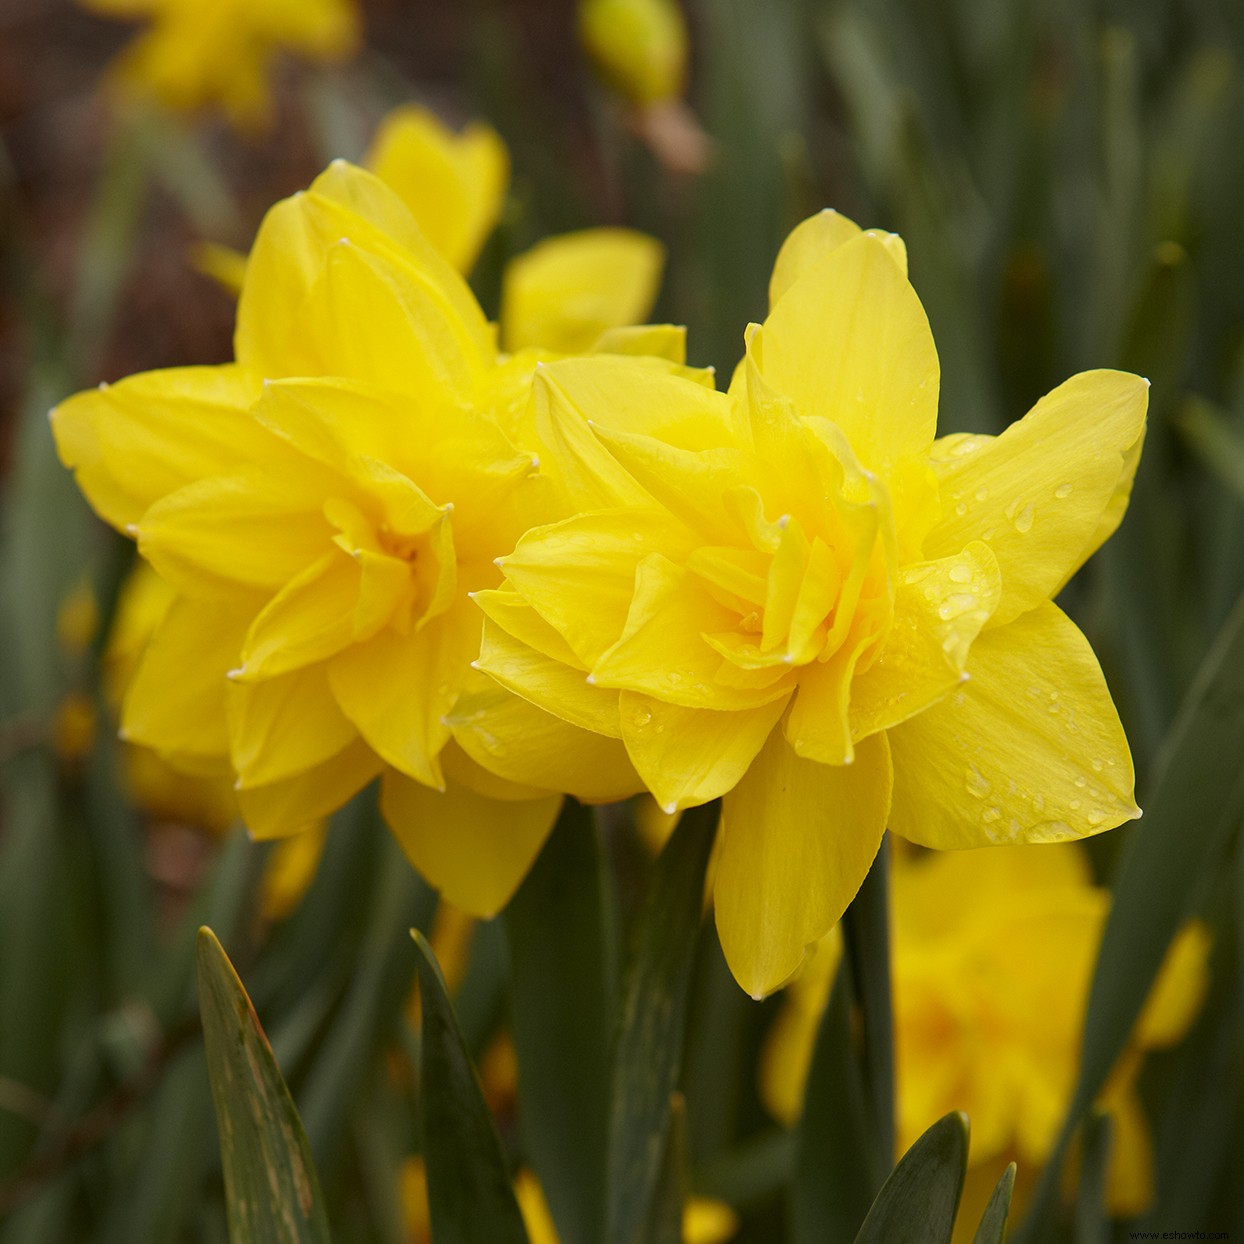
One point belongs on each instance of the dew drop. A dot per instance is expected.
(959, 573)
(961, 509)
(990, 815)
(982, 493)
(1038, 803)
(673, 678)
(642, 717)
(1074, 805)
(988, 533)
(1095, 818)
(1023, 520)
(1097, 766)
(1062, 491)
(978, 784)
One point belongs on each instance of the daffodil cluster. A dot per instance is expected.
(493, 578)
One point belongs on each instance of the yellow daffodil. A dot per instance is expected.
(453, 184)
(990, 987)
(195, 55)
(322, 509)
(639, 46)
(793, 596)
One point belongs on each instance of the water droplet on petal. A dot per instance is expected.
(982, 493)
(978, 784)
(1062, 491)
(961, 509)
(959, 573)
(990, 815)
(1023, 520)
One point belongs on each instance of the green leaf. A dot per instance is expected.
(866, 936)
(670, 1194)
(917, 1204)
(1195, 803)
(470, 1195)
(649, 1049)
(1213, 439)
(272, 1194)
(1092, 1220)
(562, 1000)
(992, 1229)
(836, 1155)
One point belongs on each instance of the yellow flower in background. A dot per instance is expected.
(454, 185)
(705, 1221)
(993, 955)
(565, 292)
(639, 46)
(322, 509)
(196, 55)
(792, 596)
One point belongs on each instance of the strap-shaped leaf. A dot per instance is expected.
(562, 1006)
(917, 1204)
(992, 1229)
(470, 1195)
(648, 1054)
(836, 1152)
(1092, 1219)
(272, 1195)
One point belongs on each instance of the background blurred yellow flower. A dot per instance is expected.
(639, 46)
(194, 55)
(993, 955)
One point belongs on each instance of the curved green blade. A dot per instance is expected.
(917, 1204)
(470, 1196)
(992, 1229)
(272, 1195)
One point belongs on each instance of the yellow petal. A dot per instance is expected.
(222, 264)
(1039, 493)
(309, 620)
(591, 557)
(797, 840)
(665, 341)
(289, 806)
(282, 726)
(849, 342)
(131, 443)
(397, 689)
(939, 610)
(474, 850)
(662, 651)
(258, 527)
(384, 323)
(819, 727)
(813, 239)
(560, 689)
(176, 702)
(1029, 749)
(514, 739)
(453, 184)
(687, 756)
(288, 258)
(517, 618)
(568, 290)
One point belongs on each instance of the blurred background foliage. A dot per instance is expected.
(1068, 180)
